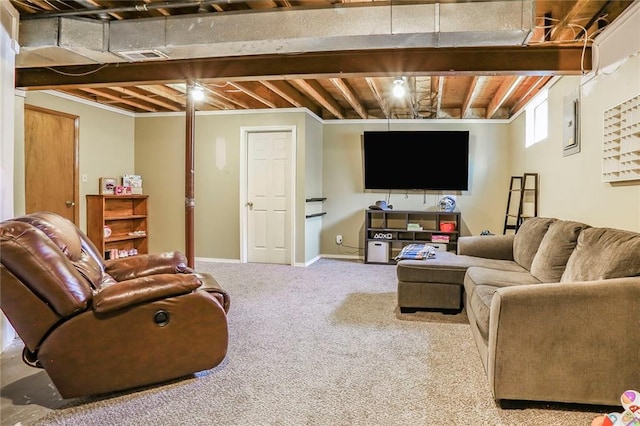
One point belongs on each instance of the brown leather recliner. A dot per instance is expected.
(100, 326)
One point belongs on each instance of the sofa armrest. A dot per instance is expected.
(141, 290)
(574, 341)
(489, 246)
(143, 265)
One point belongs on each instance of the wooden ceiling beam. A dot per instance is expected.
(231, 100)
(42, 4)
(505, 90)
(106, 93)
(179, 91)
(79, 93)
(373, 85)
(539, 60)
(440, 95)
(563, 30)
(166, 92)
(260, 93)
(138, 93)
(98, 7)
(162, 11)
(533, 90)
(469, 96)
(180, 97)
(317, 92)
(351, 97)
(289, 93)
(412, 97)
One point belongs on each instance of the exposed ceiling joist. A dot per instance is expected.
(508, 85)
(317, 92)
(373, 85)
(139, 94)
(106, 93)
(469, 96)
(288, 92)
(533, 90)
(349, 96)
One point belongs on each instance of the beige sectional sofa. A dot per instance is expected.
(554, 309)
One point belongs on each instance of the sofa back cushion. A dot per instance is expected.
(557, 245)
(528, 239)
(603, 253)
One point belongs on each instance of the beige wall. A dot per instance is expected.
(482, 206)
(571, 187)
(160, 154)
(106, 141)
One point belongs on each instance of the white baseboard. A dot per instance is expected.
(342, 256)
(216, 260)
(298, 264)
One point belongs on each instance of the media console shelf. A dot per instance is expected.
(387, 231)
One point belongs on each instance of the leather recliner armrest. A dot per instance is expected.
(143, 265)
(144, 289)
(210, 285)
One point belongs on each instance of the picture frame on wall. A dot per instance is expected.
(108, 186)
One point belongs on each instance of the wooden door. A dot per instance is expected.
(51, 162)
(268, 191)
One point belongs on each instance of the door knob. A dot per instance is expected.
(70, 203)
(250, 204)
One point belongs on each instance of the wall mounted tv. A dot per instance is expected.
(421, 160)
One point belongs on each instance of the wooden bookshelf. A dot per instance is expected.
(125, 215)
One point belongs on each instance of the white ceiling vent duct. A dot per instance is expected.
(143, 55)
(72, 41)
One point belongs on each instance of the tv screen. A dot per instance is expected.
(422, 160)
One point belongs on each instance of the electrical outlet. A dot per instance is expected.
(338, 239)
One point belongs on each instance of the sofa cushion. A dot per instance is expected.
(481, 284)
(603, 253)
(447, 267)
(528, 239)
(557, 245)
(480, 304)
(497, 278)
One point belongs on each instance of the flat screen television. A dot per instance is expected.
(420, 160)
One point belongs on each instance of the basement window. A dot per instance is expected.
(537, 119)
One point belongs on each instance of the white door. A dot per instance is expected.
(268, 197)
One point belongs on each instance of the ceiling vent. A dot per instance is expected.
(143, 55)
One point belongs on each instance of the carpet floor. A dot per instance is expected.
(324, 345)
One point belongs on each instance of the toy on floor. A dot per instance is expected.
(629, 417)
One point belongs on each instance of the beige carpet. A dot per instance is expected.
(324, 345)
